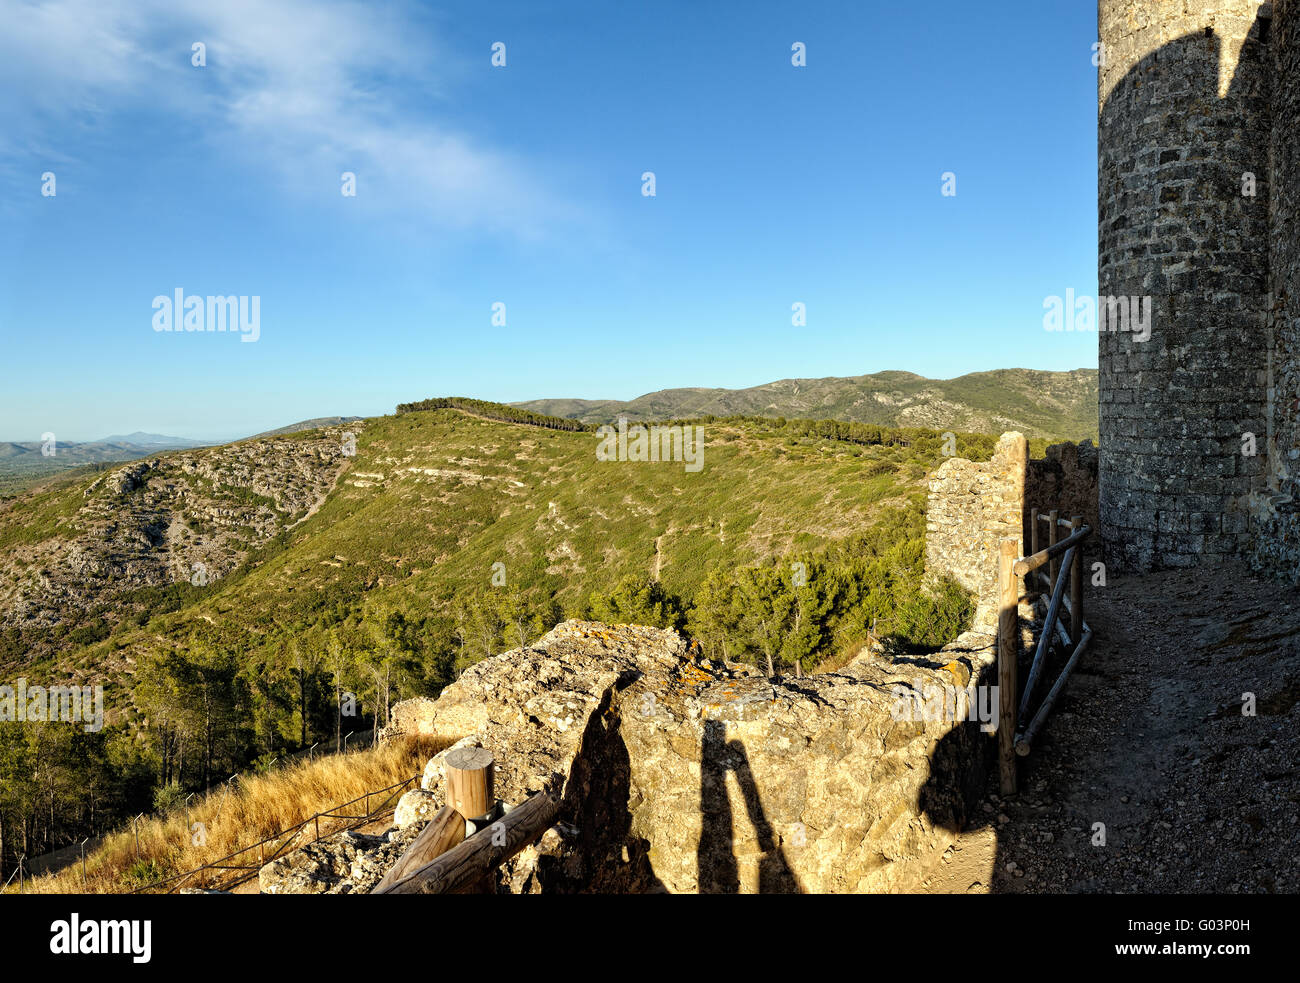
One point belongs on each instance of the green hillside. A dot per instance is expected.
(1038, 404)
(433, 499)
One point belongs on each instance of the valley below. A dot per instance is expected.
(244, 602)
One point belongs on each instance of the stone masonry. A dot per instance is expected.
(1198, 154)
(972, 505)
(1276, 515)
(679, 774)
(1065, 479)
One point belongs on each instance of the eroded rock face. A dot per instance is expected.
(679, 774)
(187, 516)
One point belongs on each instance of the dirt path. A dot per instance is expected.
(1150, 740)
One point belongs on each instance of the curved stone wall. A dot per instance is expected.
(1276, 531)
(1184, 117)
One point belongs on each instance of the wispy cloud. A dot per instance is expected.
(300, 89)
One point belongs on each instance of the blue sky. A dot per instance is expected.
(521, 185)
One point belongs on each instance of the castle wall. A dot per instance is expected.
(678, 774)
(1184, 113)
(1065, 480)
(971, 506)
(1276, 525)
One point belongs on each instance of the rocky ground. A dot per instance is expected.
(1151, 741)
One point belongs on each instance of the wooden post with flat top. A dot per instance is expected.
(469, 781)
(1008, 650)
(466, 867)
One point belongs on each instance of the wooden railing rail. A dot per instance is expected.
(465, 867)
(1028, 564)
(1045, 639)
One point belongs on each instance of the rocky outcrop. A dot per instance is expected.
(189, 516)
(679, 774)
(128, 479)
(345, 863)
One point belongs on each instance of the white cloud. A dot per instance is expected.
(302, 89)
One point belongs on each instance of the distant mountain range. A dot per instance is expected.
(154, 440)
(22, 463)
(26, 462)
(1038, 404)
(116, 448)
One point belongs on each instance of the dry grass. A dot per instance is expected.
(261, 806)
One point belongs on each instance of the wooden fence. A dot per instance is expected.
(1063, 558)
(456, 853)
(243, 865)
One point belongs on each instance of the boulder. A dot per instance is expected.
(415, 806)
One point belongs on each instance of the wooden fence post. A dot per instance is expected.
(467, 866)
(1008, 650)
(1076, 586)
(469, 782)
(1031, 582)
(1053, 565)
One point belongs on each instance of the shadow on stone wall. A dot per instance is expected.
(612, 860)
(718, 867)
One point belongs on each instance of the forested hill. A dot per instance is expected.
(1038, 404)
(225, 597)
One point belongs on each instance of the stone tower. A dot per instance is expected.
(1185, 126)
